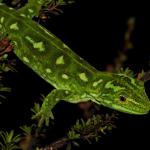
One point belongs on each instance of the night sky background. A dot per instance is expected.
(96, 33)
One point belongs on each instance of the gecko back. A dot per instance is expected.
(42, 51)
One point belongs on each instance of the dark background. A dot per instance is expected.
(95, 31)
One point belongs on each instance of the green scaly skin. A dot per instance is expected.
(73, 78)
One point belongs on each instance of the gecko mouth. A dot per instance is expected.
(130, 106)
(133, 110)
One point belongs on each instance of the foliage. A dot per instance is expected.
(54, 7)
(126, 72)
(9, 141)
(6, 64)
(26, 129)
(2, 90)
(36, 108)
(89, 130)
(93, 128)
(2, 87)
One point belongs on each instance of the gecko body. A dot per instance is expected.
(74, 79)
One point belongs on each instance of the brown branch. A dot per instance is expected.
(86, 134)
(57, 144)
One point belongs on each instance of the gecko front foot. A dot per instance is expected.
(43, 117)
(44, 113)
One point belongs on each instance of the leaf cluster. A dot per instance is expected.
(9, 141)
(93, 128)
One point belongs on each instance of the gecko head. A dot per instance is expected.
(125, 94)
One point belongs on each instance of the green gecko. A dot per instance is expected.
(74, 79)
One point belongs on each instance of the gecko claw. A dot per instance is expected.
(43, 117)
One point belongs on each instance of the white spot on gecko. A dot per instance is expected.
(67, 92)
(39, 2)
(97, 82)
(57, 99)
(30, 10)
(83, 77)
(65, 76)
(110, 85)
(29, 39)
(23, 15)
(14, 26)
(84, 95)
(10, 8)
(94, 95)
(28, 16)
(15, 43)
(35, 67)
(39, 46)
(60, 60)
(2, 19)
(26, 59)
(48, 70)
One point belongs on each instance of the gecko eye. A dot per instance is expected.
(122, 98)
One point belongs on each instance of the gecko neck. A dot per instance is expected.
(102, 78)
